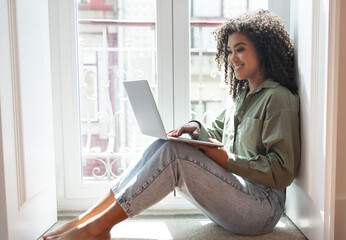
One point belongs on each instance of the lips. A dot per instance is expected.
(237, 66)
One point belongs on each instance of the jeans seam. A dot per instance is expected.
(125, 206)
(199, 164)
(270, 219)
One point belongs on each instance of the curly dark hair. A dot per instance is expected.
(272, 43)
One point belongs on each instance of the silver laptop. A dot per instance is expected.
(147, 114)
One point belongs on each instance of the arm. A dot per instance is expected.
(217, 154)
(198, 131)
(213, 134)
(192, 128)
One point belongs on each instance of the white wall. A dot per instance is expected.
(306, 198)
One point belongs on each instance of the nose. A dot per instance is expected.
(232, 57)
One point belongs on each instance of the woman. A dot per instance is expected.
(240, 186)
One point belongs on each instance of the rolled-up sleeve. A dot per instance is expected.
(216, 129)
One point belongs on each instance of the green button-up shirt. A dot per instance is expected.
(261, 135)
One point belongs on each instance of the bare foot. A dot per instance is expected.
(66, 227)
(85, 233)
(98, 208)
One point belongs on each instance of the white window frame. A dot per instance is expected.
(72, 193)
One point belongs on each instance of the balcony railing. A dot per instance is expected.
(109, 140)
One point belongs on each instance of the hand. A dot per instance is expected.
(190, 127)
(218, 154)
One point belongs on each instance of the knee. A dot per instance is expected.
(167, 147)
(175, 145)
(154, 146)
(159, 142)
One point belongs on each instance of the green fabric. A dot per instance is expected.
(261, 134)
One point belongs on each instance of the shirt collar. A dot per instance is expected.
(268, 83)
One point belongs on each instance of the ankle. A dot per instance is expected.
(95, 229)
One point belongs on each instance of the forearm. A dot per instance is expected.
(220, 157)
(217, 154)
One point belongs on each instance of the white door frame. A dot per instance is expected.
(331, 115)
(28, 194)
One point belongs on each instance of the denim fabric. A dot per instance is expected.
(231, 201)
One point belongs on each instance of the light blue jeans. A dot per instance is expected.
(233, 202)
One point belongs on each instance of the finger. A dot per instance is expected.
(179, 132)
(195, 133)
(182, 129)
(213, 140)
(171, 133)
(174, 133)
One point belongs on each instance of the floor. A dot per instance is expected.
(188, 227)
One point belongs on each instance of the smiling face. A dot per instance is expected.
(243, 58)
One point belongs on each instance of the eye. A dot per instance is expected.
(240, 49)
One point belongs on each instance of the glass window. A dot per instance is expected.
(116, 43)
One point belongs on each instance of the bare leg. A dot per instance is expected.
(98, 208)
(97, 227)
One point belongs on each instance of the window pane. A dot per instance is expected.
(209, 94)
(116, 43)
